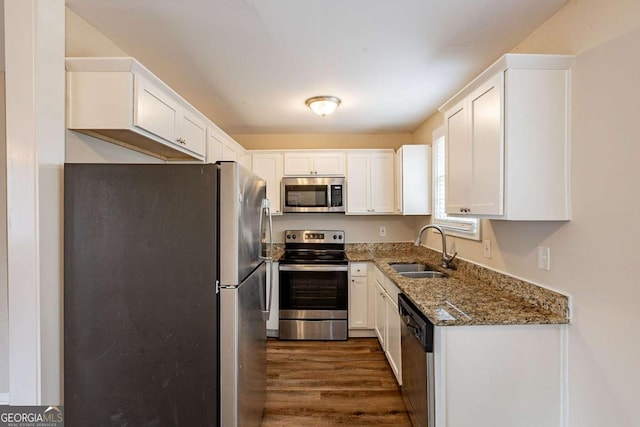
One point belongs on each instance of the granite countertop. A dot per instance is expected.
(473, 295)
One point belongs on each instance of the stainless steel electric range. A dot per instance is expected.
(314, 286)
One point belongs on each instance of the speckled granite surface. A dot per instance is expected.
(473, 295)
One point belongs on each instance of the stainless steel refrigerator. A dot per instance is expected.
(164, 295)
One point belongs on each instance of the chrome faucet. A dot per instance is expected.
(447, 261)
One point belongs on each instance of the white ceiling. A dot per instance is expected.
(249, 65)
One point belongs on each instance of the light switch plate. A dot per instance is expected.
(544, 258)
(383, 231)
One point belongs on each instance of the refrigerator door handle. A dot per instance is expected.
(267, 312)
(266, 209)
(269, 259)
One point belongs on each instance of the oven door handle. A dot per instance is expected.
(313, 267)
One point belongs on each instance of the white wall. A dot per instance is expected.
(594, 256)
(84, 40)
(34, 55)
(4, 306)
(82, 148)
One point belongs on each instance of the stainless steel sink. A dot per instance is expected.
(417, 270)
(423, 274)
(414, 267)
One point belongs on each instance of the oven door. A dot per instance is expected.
(313, 301)
(318, 291)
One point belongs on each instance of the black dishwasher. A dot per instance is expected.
(417, 364)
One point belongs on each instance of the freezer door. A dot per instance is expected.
(241, 195)
(243, 360)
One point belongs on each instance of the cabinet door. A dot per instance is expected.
(399, 179)
(298, 164)
(193, 131)
(229, 152)
(413, 167)
(381, 183)
(358, 183)
(214, 148)
(458, 160)
(329, 163)
(393, 351)
(268, 166)
(273, 286)
(155, 110)
(487, 141)
(380, 315)
(358, 302)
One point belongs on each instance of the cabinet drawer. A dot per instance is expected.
(390, 288)
(358, 269)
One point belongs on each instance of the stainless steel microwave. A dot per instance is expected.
(313, 194)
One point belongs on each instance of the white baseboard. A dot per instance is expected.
(353, 333)
(5, 398)
(362, 333)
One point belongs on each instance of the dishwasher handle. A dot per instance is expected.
(412, 326)
(416, 322)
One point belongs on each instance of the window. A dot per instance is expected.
(468, 228)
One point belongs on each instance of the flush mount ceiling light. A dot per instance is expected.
(323, 105)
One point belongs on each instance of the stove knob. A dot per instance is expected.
(294, 237)
(340, 237)
(335, 237)
(288, 236)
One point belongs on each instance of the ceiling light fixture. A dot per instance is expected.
(323, 105)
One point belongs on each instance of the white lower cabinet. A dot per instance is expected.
(501, 376)
(358, 296)
(273, 286)
(380, 315)
(387, 321)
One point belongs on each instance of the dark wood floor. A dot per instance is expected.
(319, 383)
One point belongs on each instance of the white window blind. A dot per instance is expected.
(468, 228)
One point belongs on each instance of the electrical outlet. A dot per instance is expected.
(544, 258)
(383, 231)
(486, 248)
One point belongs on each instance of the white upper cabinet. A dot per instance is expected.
(155, 110)
(413, 180)
(221, 146)
(269, 166)
(193, 131)
(475, 151)
(120, 101)
(370, 182)
(319, 162)
(507, 141)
